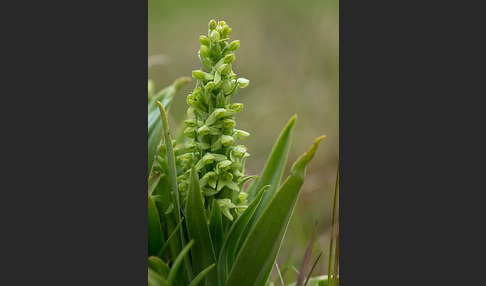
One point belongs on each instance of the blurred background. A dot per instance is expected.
(290, 53)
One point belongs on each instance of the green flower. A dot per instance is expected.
(217, 159)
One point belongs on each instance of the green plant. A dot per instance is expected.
(202, 228)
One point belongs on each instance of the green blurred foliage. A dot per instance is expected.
(290, 53)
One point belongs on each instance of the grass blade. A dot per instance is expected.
(202, 253)
(251, 267)
(154, 125)
(173, 177)
(305, 262)
(155, 240)
(169, 240)
(329, 270)
(178, 262)
(201, 275)
(336, 257)
(312, 269)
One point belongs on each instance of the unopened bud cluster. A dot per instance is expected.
(215, 151)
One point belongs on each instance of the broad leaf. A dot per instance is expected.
(154, 279)
(275, 165)
(197, 227)
(158, 266)
(253, 267)
(228, 252)
(271, 175)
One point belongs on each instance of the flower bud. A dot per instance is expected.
(204, 50)
(204, 40)
(198, 74)
(208, 76)
(223, 69)
(209, 87)
(224, 165)
(243, 82)
(239, 151)
(215, 36)
(191, 99)
(241, 198)
(190, 122)
(192, 147)
(229, 58)
(236, 106)
(203, 130)
(189, 131)
(234, 45)
(241, 135)
(226, 140)
(226, 30)
(226, 86)
(229, 123)
(212, 24)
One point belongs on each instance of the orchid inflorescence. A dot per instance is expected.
(215, 152)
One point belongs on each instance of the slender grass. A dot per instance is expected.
(329, 271)
(306, 260)
(312, 269)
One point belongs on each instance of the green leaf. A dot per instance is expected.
(228, 252)
(153, 181)
(197, 227)
(271, 174)
(178, 261)
(155, 240)
(169, 240)
(154, 279)
(173, 176)
(275, 165)
(216, 228)
(253, 267)
(201, 275)
(158, 266)
(315, 281)
(154, 125)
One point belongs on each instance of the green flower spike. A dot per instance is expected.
(217, 159)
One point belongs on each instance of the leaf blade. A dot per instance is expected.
(228, 251)
(202, 253)
(158, 266)
(155, 240)
(178, 262)
(201, 275)
(267, 234)
(272, 173)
